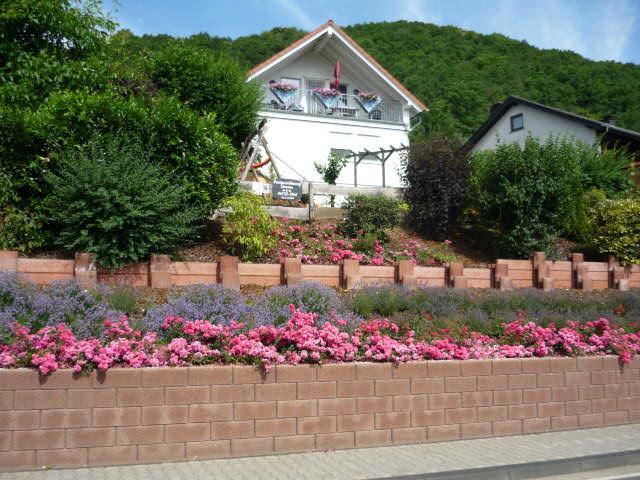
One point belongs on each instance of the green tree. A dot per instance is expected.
(331, 171)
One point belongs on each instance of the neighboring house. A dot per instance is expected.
(303, 126)
(514, 119)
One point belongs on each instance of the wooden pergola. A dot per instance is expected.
(381, 155)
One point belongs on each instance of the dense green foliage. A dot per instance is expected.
(605, 170)
(530, 196)
(371, 214)
(248, 230)
(331, 171)
(615, 228)
(110, 200)
(436, 178)
(459, 74)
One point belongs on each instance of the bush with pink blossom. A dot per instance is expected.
(301, 339)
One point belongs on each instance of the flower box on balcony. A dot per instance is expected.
(368, 100)
(327, 96)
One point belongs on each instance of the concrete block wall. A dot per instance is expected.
(129, 416)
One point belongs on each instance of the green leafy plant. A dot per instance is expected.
(331, 171)
(109, 200)
(248, 230)
(616, 228)
(607, 170)
(372, 214)
(436, 178)
(20, 229)
(528, 195)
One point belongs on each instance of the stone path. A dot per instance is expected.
(424, 460)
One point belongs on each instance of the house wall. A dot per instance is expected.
(538, 123)
(149, 415)
(299, 141)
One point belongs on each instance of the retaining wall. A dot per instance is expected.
(128, 416)
(160, 272)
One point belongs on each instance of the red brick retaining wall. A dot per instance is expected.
(129, 416)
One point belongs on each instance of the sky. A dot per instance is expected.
(596, 29)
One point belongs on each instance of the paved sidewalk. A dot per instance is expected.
(374, 463)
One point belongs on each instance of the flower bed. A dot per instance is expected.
(301, 339)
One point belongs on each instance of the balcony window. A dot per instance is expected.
(517, 122)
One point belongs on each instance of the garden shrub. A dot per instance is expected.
(529, 195)
(248, 230)
(331, 171)
(109, 200)
(616, 229)
(371, 214)
(436, 176)
(605, 170)
(199, 302)
(20, 229)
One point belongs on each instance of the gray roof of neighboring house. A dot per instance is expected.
(512, 100)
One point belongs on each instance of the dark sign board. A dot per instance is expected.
(286, 189)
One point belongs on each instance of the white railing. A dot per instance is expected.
(348, 107)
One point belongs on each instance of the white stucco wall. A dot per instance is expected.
(539, 124)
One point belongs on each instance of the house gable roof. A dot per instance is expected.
(512, 100)
(331, 27)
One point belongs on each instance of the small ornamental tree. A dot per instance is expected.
(331, 171)
(436, 176)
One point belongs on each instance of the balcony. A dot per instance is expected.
(348, 107)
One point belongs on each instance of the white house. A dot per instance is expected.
(369, 110)
(516, 118)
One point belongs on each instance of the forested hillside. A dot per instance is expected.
(457, 73)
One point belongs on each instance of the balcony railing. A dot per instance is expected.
(348, 107)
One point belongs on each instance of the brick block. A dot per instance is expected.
(616, 418)
(536, 395)
(407, 403)
(564, 422)
(373, 438)
(336, 371)
(309, 390)
(524, 380)
(476, 368)
(425, 418)
(374, 404)
(490, 414)
(477, 399)
(507, 366)
(578, 407)
(241, 447)
(211, 375)
(91, 398)
(476, 430)
(427, 385)
(564, 394)
(563, 364)
(253, 410)
(5, 441)
(552, 409)
(211, 412)
(505, 428)
(20, 420)
(603, 377)
(335, 441)
(295, 443)
(62, 458)
(460, 415)
(64, 379)
(373, 371)
(135, 397)
(525, 410)
(116, 417)
(6, 400)
(493, 382)
(445, 400)
(295, 373)
(65, 418)
(355, 423)
(165, 377)
(591, 420)
(138, 435)
(507, 397)
(90, 437)
(336, 406)
(165, 452)
(167, 414)
(589, 364)
(234, 429)
(232, 393)
(355, 388)
(536, 425)
(573, 379)
(187, 395)
(19, 379)
(275, 391)
(297, 408)
(551, 379)
(208, 450)
(443, 368)
(536, 365)
(443, 433)
(410, 370)
(187, 432)
(589, 392)
(312, 425)
(385, 421)
(118, 378)
(460, 384)
(40, 399)
(38, 439)
(25, 460)
(247, 374)
(409, 435)
(276, 427)
(392, 387)
(121, 455)
(603, 405)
